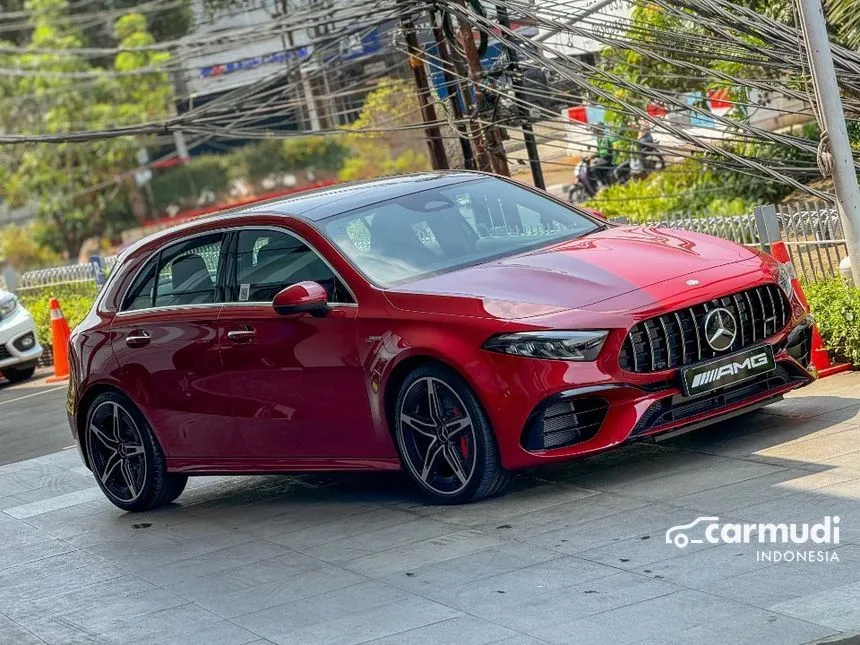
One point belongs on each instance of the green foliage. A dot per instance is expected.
(75, 298)
(836, 307)
(180, 184)
(391, 104)
(691, 187)
(60, 177)
(19, 248)
(259, 160)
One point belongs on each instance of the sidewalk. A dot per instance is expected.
(572, 554)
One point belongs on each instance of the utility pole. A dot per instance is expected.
(453, 89)
(833, 122)
(498, 161)
(528, 133)
(435, 144)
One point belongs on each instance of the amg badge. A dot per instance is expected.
(727, 370)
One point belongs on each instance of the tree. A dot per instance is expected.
(74, 184)
(391, 104)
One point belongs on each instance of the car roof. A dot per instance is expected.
(321, 203)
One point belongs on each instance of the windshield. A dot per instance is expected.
(439, 230)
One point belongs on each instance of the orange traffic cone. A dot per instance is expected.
(60, 342)
(820, 358)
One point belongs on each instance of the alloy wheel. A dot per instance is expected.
(117, 453)
(437, 436)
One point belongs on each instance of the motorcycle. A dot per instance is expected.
(589, 178)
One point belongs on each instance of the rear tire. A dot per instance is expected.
(445, 440)
(16, 374)
(125, 458)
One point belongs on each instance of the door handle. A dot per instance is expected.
(137, 338)
(241, 335)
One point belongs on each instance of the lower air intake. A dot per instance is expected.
(562, 423)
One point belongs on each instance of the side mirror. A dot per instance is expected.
(299, 297)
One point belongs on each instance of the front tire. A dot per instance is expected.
(577, 194)
(125, 457)
(444, 438)
(16, 374)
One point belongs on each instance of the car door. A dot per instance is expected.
(298, 388)
(165, 338)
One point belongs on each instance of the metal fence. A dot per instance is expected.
(63, 274)
(812, 232)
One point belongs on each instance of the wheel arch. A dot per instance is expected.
(404, 367)
(83, 407)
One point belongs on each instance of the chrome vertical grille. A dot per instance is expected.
(676, 339)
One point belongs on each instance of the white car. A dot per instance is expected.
(19, 345)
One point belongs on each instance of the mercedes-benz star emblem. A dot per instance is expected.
(721, 329)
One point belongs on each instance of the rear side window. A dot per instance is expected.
(184, 273)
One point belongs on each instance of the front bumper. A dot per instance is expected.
(636, 406)
(13, 329)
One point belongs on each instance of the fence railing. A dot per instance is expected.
(812, 232)
(63, 274)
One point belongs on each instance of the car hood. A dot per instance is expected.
(574, 274)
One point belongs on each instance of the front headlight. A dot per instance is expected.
(786, 276)
(556, 345)
(7, 306)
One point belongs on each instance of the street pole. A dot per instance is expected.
(495, 150)
(833, 123)
(528, 132)
(453, 88)
(435, 143)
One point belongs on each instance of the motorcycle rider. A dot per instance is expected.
(604, 165)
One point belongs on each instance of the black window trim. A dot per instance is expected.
(156, 255)
(232, 284)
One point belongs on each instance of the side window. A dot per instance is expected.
(142, 290)
(188, 272)
(268, 260)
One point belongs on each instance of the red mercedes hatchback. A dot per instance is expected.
(456, 325)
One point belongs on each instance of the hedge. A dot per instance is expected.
(75, 298)
(836, 307)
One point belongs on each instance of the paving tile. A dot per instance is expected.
(771, 487)
(54, 503)
(470, 567)
(778, 583)
(11, 633)
(350, 548)
(239, 555)
(279, 621)
(526, 496)
(696, 569)
(184, 624)
(649, 520)
(676, 475)
(402, 616)
(265, 584)
(748, 625)
(565, 515)
(837, 608)
(462, 630)
(78, 599)
(656, 617)
(332, 527)
(549, 592)
(421, 553)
